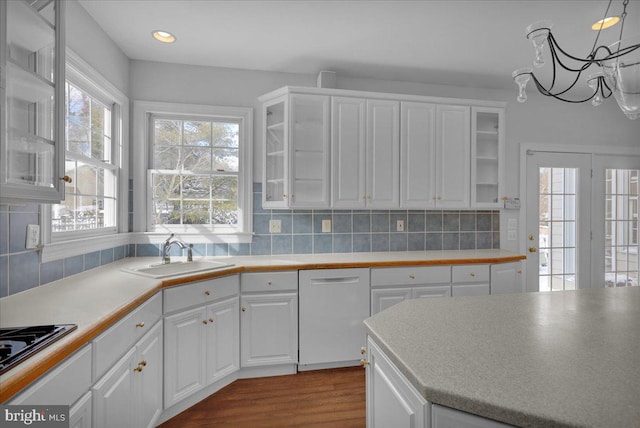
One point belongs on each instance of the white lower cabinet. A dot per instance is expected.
(201, 347)
(507, 278)
(393, 285)
(129, 394)
(391, 400)
(471, 280)
(269, 319)
(446, 417)
(80, 413)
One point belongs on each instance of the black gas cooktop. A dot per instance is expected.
(18, 343)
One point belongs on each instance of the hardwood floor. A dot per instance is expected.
(324, 398)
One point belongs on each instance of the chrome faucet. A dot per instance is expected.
(166, 249)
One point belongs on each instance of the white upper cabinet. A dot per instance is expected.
(296, 152)
(365, 153)
(32, 97)
(452, 156)
(418, 156)
(487, 157)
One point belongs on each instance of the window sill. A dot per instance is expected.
(76, 247)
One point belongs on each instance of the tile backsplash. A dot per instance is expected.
(352, 231)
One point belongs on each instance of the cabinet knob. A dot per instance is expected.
(412, 276)
(206, 293)
(472, 274)
(138, 369)
(269, 282)
(284, 196)
(204, 321)
(244, 309)
(143, 363)
(211, 319)
(520, 271)
(364, 362)
(140, 324)
(363, 350)
(439, 198)
(66, 179)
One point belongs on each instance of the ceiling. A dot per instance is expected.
(454, 42)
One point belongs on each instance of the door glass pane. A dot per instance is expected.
(557, 240)
(621, 227)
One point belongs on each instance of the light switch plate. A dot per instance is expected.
(400, 226)
(33, 236)
(326, 226)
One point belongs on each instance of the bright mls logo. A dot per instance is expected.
(35, 416)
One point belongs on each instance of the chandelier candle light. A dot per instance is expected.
(618, 65)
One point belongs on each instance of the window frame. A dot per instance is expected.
(58, 245)
(142, 218)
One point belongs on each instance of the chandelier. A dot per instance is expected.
(618, 67)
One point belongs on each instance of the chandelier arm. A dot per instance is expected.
(552, 40)
(546, 93)
(602, 83)
(555, 56)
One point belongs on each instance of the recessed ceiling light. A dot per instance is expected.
(609, 21)
(163, 36)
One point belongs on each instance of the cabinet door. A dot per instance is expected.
(149, 377)
(452, 156)
(223, 339)
(383, 298)
(507, 278)
(445, 417)
(391, 400)
(487, 157)
(276, 164)
(80, 412)
(114, 395)
(348, 152)
(269, 329)
(309, 140)
(184, 355)
(33, 103)
(417, 155)
(383, 152)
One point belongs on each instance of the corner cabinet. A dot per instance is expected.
(487, 157)
(32, 97)
(296, 152)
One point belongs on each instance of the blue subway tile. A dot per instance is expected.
(467, 240)
(4, 233)
(362, 222)
(467, 221)
(285, 222)
(342, 243)
(4, 276)
(484, 222)
(398, 242)
(147, 250)
(495, 224)
(24, 272)
(317, 220)
(18, 222)
(73, 265)
(302, 244)
(261, 245)
(199, 250)
(380, 242)
(393, 220)
(257, 204)
(220, 249)
(302, 223)
(361, 243)
(433, 222)
(380, 222)
(91, 260)
(239, 249)
(451, 241)
(342, 223)
(434, 242)
(451, 222)
(106, 256)
(483, 240)
(119, 252)
(496, 239)
(281, 244)
(416, 242)
(322, 244)
(51, 271)
(261, 223)
(416, 222)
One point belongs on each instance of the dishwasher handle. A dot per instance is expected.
(338, 280)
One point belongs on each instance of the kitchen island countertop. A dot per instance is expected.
(561, 359)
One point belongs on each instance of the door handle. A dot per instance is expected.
(532, 249)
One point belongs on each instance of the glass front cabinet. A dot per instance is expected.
(487, 157)
(32, 100)
(296, 151)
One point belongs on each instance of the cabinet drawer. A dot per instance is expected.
(198, 293)
(269, 281)
(418, 275)
(117, 340)
(471, 273)
(64, 385)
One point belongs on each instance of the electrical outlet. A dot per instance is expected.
(512, 224)
(326, 226)
(275, 226)
(400, 226)
(511, 235)
(33, 236)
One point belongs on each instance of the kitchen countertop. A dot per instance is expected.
(561, 359)
(96, 299)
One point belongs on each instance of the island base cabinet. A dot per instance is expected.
(391, 400)
(507, 278)
(445, 417)
(80, 413)
(129, 395)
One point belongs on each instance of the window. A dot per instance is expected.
(91, 197)
(195, 171)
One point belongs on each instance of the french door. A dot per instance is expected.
(558, 221)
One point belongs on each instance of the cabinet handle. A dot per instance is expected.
(211, 319)
(363, 350)
(138, 369)
(204, 321)
(66, 179)
(412, 276)
(140, 324)
(244, 309)
(206, 293)
(364, 362)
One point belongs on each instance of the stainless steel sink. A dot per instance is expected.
(158, 270)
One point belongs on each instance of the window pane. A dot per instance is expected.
(78, 122)
(197, 133)
(197, 159)
(225, 159)
(226, 135)
(225, 194)
(168, 132)
(167, 157)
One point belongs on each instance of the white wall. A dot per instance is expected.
(86, 38)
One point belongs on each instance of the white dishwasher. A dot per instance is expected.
(333, 305)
